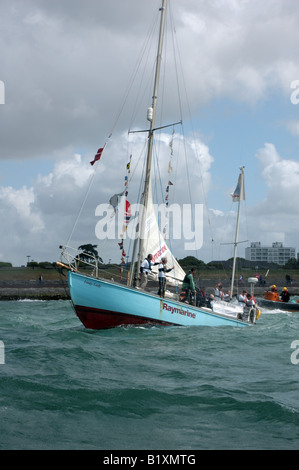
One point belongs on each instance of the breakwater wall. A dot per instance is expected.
(56, 290)
(34, 290)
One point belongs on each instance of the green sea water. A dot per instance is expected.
(200, 388)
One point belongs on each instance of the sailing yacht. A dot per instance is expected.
(100, 303)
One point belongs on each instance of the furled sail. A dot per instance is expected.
(155, 244)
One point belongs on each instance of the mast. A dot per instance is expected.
(241, 195)
(151, 118)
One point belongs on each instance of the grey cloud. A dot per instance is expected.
(66, 65)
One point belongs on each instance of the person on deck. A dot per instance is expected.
(226, 296)
(188, 284)
(162, 270)
(242, 297)
(285, 296)
(145, 269)
(273, 288)
(218, 292)
(250, 301)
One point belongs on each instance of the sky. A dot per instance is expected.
(65, 67)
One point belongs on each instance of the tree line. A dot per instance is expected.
(89, 253)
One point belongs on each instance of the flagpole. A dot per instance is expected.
(237, 231)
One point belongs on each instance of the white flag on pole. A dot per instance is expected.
(239, 193)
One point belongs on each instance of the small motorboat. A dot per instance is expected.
(271, 300)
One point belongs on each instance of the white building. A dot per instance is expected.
(276, 253)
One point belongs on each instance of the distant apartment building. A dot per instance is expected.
(276, 253)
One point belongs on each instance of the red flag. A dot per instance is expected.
(97, 156)
(128, 212)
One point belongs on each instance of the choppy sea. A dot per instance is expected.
(65, 387)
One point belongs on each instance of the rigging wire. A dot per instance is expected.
(116, 118)
(141, 57)
(174, 37)
(135, 72)
(85, 198)
(138, 201)
(144, 58)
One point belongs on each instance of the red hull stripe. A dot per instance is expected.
(98, 319)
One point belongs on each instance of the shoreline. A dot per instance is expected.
(58, 290)
(39, 293)
(32, 290)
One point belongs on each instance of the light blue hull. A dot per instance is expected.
(103, 304)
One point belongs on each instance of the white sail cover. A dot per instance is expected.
(155, 244)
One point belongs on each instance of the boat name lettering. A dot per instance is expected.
(181, 311)
(90, 283)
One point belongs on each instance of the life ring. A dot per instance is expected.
(258, 313)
